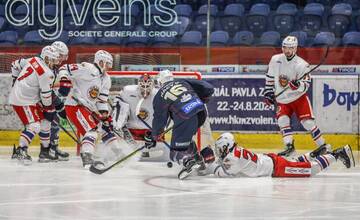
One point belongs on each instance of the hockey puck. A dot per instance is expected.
(169, 164)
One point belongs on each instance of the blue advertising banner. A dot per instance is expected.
(237, 105)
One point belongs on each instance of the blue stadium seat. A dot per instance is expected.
(232, 20)
(340, 19)
(33, 38)
(270, 38)
(246, 3)
(311, 21)
(219, 3)
(324, 38)
(272, 3)
(257, 18)
(219, 38)
(355, 4)
(284, 19)
(191, 38)
(201, 19)
(326, 3)
(243, 38)
(301, 36)
(163, 41)
(137, 42)
(351, 39)
(183, 10)
(82, 41)
(8, 38)
(181, 27)
(109, 40)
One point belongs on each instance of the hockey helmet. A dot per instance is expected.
(223, 144)
(145, 84)
(51, 54)
(165, 76)
(62, 49)
(290, 41)
(105, 57)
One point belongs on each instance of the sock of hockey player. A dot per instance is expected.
(321, 162)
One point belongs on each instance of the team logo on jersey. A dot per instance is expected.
(283, 80)
(185, 97)
(143, 114)
(93, 92)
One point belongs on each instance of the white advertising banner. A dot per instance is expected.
(336, 103)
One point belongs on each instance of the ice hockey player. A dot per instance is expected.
(16, 68)
(134, 98)
(59, 95)
(287, 70)
(31, 98)
(236, 161)
(87, 104)
(182, 100)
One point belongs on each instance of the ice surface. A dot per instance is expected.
(144, 190)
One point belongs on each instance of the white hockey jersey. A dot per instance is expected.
(33, 84)
(242, 162)
(17, 66)
(129, 98)
(91, 87)
(281, 72)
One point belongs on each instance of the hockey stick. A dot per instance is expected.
(68, 133)
(95, 170)
(307, 73)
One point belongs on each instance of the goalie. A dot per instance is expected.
(133, 108)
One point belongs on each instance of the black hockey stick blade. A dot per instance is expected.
(95, 170)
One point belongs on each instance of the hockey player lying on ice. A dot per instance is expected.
(236, 161)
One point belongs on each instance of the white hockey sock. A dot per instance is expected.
(321, 162)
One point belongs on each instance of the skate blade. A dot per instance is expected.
(47, 161)
(63, 159)
(186, 172)
(349, 152)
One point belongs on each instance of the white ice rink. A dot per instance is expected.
(143, 190)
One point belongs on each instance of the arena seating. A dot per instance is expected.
(232, 23)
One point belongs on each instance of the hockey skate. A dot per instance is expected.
(190, 165)
(22, 155)
(345, 155)
(289, 150)
(323, 149)
(45, 156)
(87, 160)
(61, 155)
(145, 154)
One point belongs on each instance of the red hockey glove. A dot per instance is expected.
(65, 86)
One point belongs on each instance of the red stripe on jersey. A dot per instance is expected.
(237, 152)
(38, 68)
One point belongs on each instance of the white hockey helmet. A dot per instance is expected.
(106, 57)
(51, 53)
(223, 144)
(290, 41)
(62, 49)
(165, 76)
(145, 84)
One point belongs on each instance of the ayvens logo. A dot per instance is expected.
(105, 12)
